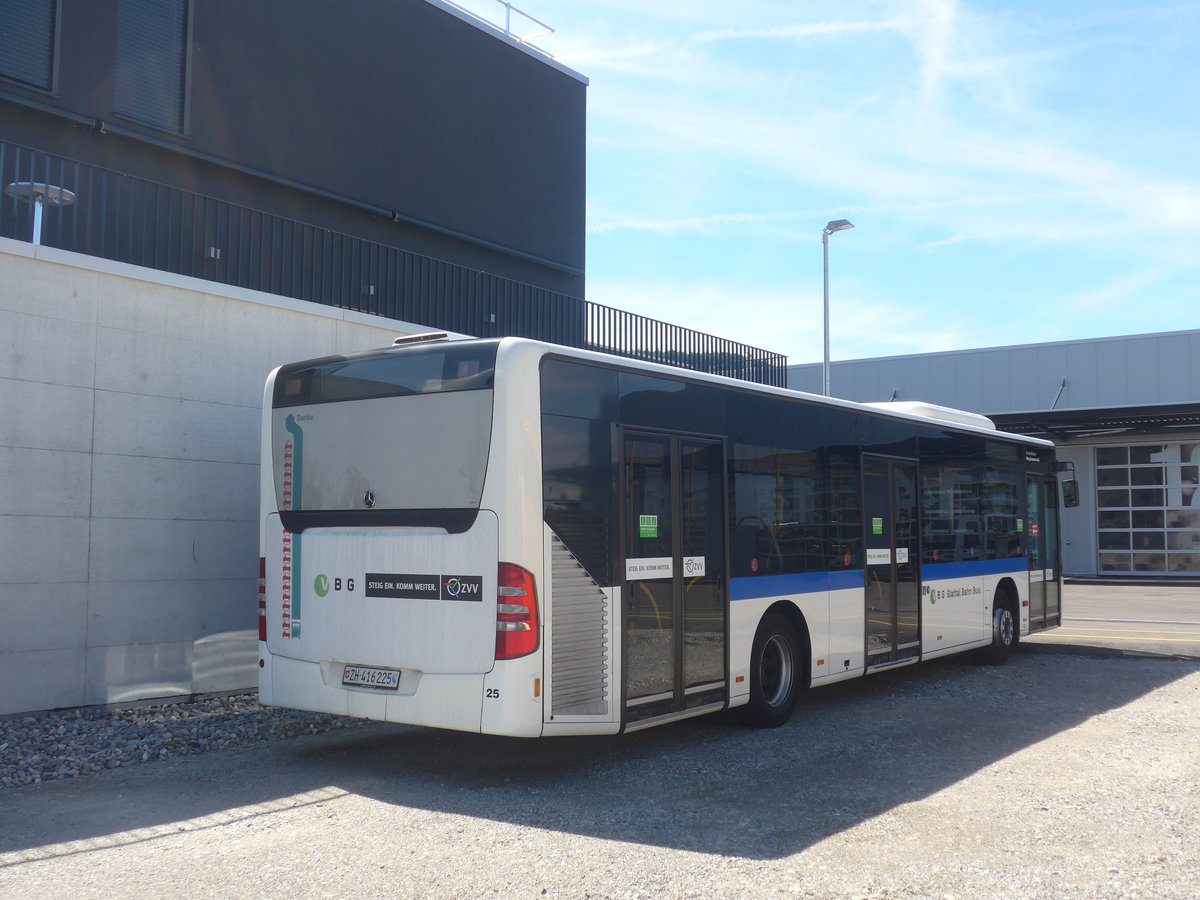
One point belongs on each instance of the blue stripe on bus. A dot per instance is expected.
(758, 587)
(974, 568)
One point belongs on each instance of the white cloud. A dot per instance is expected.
(934, 45)
(706, 224)
(803, 30)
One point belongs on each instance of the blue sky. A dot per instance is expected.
(1016, 172)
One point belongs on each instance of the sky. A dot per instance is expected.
(1016, 172)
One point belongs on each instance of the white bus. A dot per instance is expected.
(516, 538)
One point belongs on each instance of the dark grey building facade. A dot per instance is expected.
(1124, 413)
(395, 157)
(399, 121)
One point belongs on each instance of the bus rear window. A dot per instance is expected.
(394, 373)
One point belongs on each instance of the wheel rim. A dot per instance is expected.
(776, 670)
(1004, 626)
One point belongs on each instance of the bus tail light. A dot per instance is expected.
(262, 598)
(516, 613)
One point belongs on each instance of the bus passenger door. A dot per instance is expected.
(893, 582)
(675, 608)
(1041, 546)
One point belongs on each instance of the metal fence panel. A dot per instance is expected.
(134, 220)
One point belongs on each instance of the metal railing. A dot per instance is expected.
(509, 10)
(134, 220)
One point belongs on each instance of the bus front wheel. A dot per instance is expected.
(775, 673)
(1004, 633)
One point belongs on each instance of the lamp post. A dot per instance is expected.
(830, 228)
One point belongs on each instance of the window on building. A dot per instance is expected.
(152, 62)
(1148, 508)
(27, 41)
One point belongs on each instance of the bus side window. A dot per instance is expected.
(779, 515)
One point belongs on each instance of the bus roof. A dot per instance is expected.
(928, 413)
(919, 411)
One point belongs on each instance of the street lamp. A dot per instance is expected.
(830, 228)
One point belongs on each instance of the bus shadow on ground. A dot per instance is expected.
(852, 752)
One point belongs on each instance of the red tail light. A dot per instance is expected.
(516, 613)
(262, 598)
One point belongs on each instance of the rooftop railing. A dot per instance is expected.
(104, 213)
(530, 28)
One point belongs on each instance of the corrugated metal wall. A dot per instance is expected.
(1137, 370)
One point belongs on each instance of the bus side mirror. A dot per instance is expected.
(1070, 494)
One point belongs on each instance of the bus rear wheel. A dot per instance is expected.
(775, 673)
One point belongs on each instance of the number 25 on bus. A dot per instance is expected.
(516, 538)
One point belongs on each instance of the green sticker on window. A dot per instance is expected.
(1020, 526)
(877, 526)
(648, 526)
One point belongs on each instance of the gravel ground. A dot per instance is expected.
(51, 746)
(1056, 777)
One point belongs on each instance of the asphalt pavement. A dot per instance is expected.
(1155, 617)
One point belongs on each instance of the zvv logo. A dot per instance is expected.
(462, 587)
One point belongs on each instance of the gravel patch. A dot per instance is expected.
(1055, 777)
(52, 746)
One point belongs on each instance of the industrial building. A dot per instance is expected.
(1123, 412)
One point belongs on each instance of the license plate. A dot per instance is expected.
(379, 679)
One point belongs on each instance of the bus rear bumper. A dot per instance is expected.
(437, 701)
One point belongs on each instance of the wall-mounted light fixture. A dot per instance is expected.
(40, 195)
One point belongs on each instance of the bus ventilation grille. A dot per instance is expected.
(580, 633)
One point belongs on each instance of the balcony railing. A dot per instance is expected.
(134, 220)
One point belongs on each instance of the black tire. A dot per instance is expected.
(777, 673)
(1005, 633)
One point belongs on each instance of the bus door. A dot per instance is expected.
(1041, 546)
(674, 583)
(893, 581)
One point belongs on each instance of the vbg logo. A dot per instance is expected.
(322, 584)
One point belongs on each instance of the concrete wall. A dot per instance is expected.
(129, 429)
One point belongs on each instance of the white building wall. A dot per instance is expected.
(129, 428)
